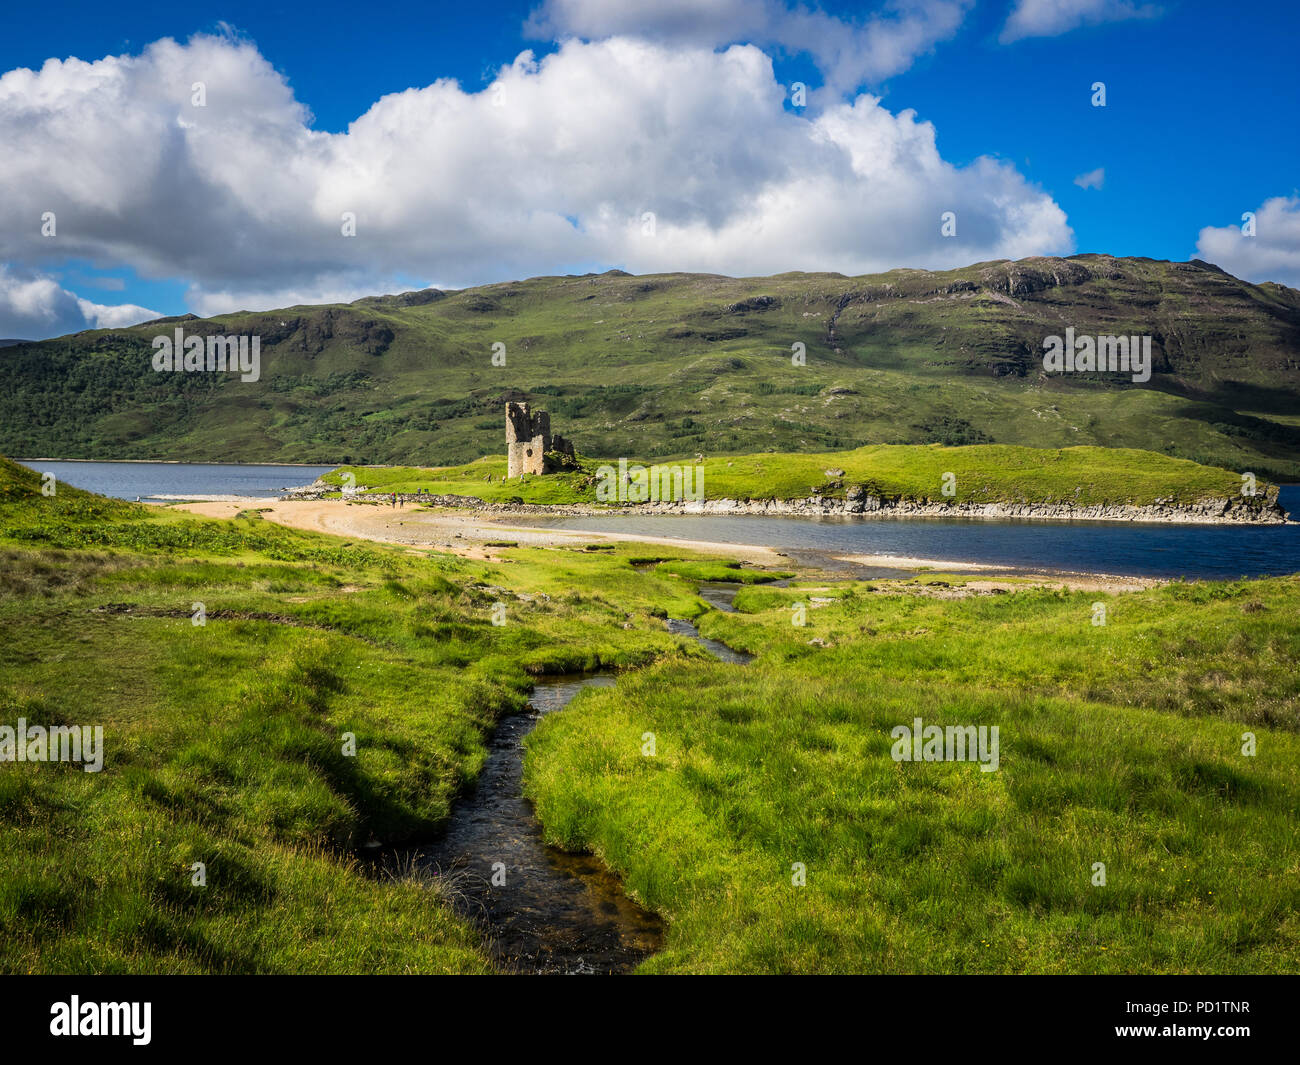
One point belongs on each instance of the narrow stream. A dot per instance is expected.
(555, 912)
(718, 596)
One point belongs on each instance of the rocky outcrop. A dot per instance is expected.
(862, 504)
(754, 303)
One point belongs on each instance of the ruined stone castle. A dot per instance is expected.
(529, 441)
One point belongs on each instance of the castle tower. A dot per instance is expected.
(528, 439)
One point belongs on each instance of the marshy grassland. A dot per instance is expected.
(224, 741)
(1120, 744)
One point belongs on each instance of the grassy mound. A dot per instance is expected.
(983, 473)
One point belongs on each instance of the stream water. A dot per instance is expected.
(543, 910)
(1192, 552)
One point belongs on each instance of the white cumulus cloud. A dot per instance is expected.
(1050, 18)
(1093, 179)
(1271, 254)
(557, 163)
(36, 307)
(848, 52)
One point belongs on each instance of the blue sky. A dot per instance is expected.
(163, 208)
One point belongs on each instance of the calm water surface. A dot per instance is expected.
(180, 480)
(1145, 550)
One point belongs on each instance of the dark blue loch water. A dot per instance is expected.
(1145, 550)
(179, 480)
(1149, 550)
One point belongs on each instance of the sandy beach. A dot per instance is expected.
(460, 532)
(479, 536)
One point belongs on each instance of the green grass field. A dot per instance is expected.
(1120, 745)
(225, 745)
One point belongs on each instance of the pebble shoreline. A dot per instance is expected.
(1261, 511)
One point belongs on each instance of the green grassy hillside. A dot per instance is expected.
(679, 363)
